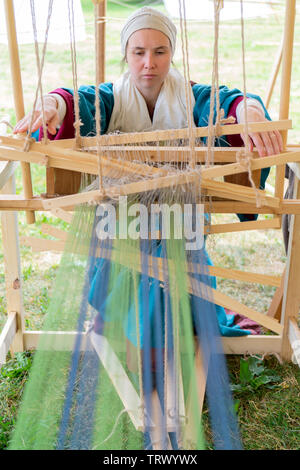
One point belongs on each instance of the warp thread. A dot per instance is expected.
(40, 66)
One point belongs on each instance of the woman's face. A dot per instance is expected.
(149, 56)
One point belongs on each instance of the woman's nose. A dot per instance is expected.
(149, 61)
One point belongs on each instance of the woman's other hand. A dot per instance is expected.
(266, 143)
(51, 117)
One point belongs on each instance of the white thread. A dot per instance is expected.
(244, 157)
(40, 66)
(77, 122)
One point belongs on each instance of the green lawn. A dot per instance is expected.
(269, 418)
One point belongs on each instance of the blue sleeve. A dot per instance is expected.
(202, 104)
(227, 97)
(87, 107)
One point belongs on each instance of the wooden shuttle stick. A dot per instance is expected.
(174, 134)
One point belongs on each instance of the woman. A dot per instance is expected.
(149, 96)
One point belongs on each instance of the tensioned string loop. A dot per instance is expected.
(40, 66)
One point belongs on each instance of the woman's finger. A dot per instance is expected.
(53, 123)
(50, 112)
(279, 140)
(22, 125)
(272, 142)
(249, 141)
(275, 142)
(268, 143)
(259, 144)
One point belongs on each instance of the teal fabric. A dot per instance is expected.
(87, 107)
(227, 96)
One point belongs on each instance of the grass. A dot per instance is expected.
(13, 377)
(269, 418)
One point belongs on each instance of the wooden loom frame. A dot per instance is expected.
(282, 315)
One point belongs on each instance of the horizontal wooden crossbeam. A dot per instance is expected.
(65, 340)
(242, 226)
(155, 268)
(255, 164)
(70, 159)
(42, 244)
(175, 134)
(287, 206)
(85, 162)
(244, 276)
(214, 188)
(11, 202)
(167, 154)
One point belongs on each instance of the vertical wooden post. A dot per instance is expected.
(100, 12)
(291, 297)
(10, 240)
(274, 75)
(290, 303)
(287, 56)
(18, 94)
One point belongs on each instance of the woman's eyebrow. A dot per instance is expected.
(143, 48)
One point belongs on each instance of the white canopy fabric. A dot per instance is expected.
(204, 9)
(59, 24)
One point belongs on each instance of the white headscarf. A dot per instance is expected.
(130, 113)
(148, 18)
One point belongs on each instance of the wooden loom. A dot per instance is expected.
(59, 156)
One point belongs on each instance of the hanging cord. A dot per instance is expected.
(213, 131)
(244, 157)
(214, 93)
(40, 66)
(97, 105)
(77, 122)
(187, 81)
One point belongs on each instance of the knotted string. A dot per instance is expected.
(40, 66)
(214, 93)
(187, 81)
(97, 105)
(77, 122)
(244, 157)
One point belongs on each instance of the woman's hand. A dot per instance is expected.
(51, 117)
(266, 143)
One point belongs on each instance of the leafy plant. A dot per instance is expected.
(6, 426)
(16, 367)
(253, 375)
(13, 375)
